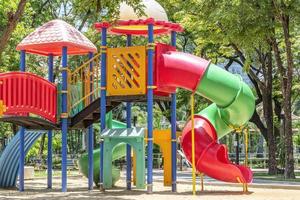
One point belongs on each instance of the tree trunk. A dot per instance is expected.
(11, 25)
(255, 119)
(14, 128)
(264, 91)
(268, 115)
(286, 75)
(289, 164)
(42, 145)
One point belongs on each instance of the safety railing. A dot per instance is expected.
(84, 85)
(24, 93)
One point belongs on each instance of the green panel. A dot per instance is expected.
(123, 133)
(118, 152)
(76, 95)
(135, 138)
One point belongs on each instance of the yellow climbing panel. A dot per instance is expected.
(2, 108)
(126, 71)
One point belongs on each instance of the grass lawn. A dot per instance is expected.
(265, 176)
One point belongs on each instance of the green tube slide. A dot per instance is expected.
(118, 152)
(234, 101)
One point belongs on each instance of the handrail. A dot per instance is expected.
(86, 81)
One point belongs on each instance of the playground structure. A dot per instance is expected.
(128, 74)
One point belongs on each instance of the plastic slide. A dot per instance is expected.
(9, 160)
(118, 152)
(233, 106)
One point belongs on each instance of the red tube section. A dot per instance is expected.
(176, 69)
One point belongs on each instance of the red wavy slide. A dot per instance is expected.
(210, 156)
(233, 105)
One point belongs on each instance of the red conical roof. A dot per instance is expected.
(52, 36)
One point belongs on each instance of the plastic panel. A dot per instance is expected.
(126, 71)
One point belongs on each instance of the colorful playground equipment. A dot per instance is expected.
(85, 94)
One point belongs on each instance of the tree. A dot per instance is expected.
(224, 31)
(285, 13)
(12, 21)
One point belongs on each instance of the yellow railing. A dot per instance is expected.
(84, 84)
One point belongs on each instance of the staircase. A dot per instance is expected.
(84, 94)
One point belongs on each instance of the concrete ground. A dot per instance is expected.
(77, 189)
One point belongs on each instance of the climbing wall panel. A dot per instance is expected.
(126, 71)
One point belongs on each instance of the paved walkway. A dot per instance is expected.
(186, 177)
(214, 190)
(77, 189)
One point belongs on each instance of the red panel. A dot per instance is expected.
(159, 72)
(25, 93)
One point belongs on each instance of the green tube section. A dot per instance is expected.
(118, 152)
(234, 102)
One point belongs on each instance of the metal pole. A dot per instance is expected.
(91, 133)
(237, 147)
(128, 122)
(173, 127)
(22, 132)
(49, 156)
(193, 143)
(103, 97)
(150, 52)
(64, 118)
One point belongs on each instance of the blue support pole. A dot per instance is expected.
(150, 52)
(91, 134)
(103, 97)
(49, 156)
(128, 122)
(22, 133)
(64, 118)
(173, 128)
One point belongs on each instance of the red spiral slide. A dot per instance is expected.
(232, 107)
